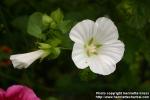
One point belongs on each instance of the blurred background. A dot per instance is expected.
(60, 79)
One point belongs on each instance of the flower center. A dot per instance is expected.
(91, 47)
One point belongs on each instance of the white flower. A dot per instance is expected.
(96, 45)
(25, 60)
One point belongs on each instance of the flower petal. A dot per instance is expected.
(82, 31)
(2, 94)
(19, 92)
(105, 30)
(79, 57)
(100, 65)
(24, 60)
(114, 51)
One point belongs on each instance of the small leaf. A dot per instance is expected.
(67, 43)
(57, 16)
(65, 26)
(35, 25)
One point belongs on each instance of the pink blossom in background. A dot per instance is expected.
(2, 94)
(18, 92)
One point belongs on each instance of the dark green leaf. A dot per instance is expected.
(35, 25)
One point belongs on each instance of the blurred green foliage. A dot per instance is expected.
(59, 79)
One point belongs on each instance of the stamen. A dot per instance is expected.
(91, 41)
(92, 47)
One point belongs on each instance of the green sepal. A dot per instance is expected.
(44, 46)
(55, 52)
(57, 16)
(53, 25)
(46, 20)
(54, 42)
(47, 53)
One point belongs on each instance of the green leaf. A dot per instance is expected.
(65, 26)
(57, 16)
(67, 43)
(35, 25)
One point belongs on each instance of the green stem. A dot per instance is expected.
(63, 48)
